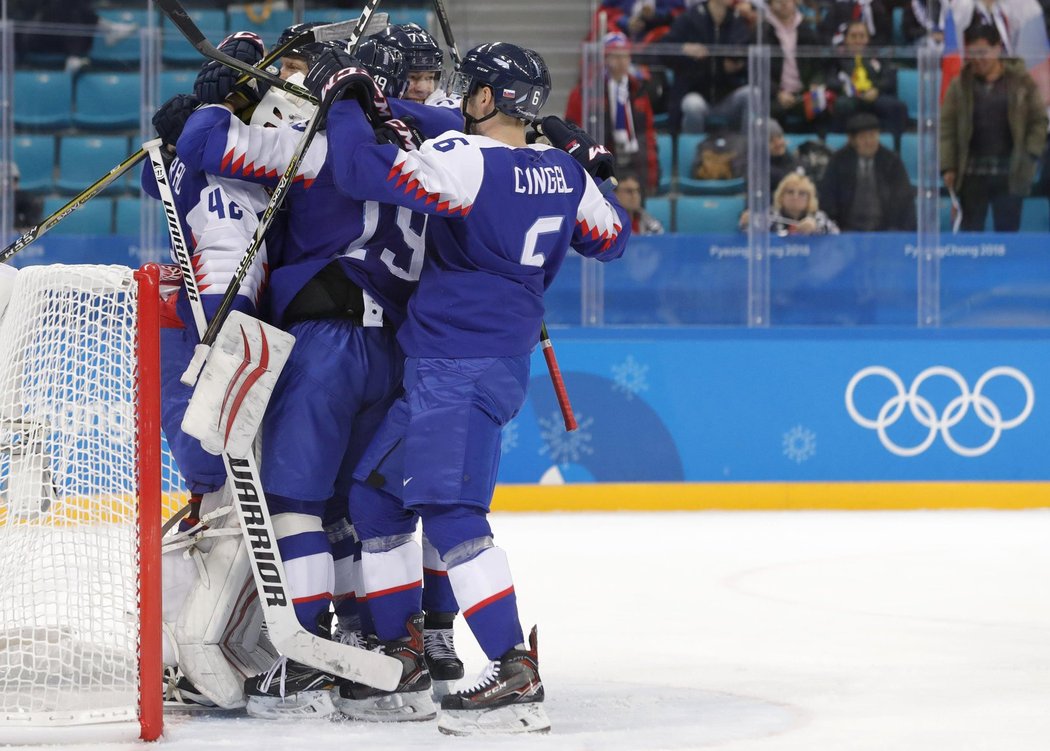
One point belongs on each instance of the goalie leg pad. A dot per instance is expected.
(230, 397)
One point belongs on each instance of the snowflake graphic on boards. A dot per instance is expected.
(630, 377)
(800, 444)
(562, 446)
(509, 439)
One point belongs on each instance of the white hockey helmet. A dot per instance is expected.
(278, 108)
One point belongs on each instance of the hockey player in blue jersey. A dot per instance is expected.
(502, 216)
(422, 56)
(347, 269)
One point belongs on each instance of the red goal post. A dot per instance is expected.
(81, 473)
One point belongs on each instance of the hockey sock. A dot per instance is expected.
(437, 591)
(348, 594)
(485, 590)
(394, 584)
(307, 557)
(192, 519)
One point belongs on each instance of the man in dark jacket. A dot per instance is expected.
(865, 187)
(707, 82)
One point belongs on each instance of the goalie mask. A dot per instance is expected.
(278, 108)
(518, 77)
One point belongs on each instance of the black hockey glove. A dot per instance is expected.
(402, 133)
(216, 84)
(334, 76)
(594, 157)
(171, 118)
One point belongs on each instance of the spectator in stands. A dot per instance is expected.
(29, 209)
(631, 196)
(781, 161)
(874, 14)
(708, 84)
(790, 75)
(796, 211)
(629, 130)
(640, 19)
(865, 187)
(75, 47)
(863, 83)
(923, 22)
(993, 130)
(1011, 18)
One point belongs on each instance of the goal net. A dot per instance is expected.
(80, 494)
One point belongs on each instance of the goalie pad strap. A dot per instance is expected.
(330, 294)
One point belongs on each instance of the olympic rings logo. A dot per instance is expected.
(922, 410)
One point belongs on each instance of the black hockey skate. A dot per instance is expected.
(507, 698)
(410, 701)
(290, 689)
(440, 652)
(179, 693)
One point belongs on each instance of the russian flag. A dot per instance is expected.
(951, 61)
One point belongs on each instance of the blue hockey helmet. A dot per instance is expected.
(306, 51)
(518, 77)
(385, 64)
(416, 45)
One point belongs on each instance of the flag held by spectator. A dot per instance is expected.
(951, 60)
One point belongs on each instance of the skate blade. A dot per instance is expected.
(513, 719)
(440, 689)
(306, 705)
(416, 706)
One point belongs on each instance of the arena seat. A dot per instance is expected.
(84, 159)
(709, 214)
(174, 82)
(660, 208)
(910, 155)
(107, 101)
(664, 157)
(126, 51)
(93, 218)
(908, 91)
(687, 145)
(175, 50)
(35, 157)
(1035, 215)
(128, 218)
(43, 99)
(269, 28)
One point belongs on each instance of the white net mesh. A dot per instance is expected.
(68, 495)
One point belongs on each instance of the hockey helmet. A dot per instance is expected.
(385, 64)
(306, 51)
(518, 77)
(419, 49)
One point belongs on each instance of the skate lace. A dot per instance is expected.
(438, 643)
(281, 666)
(351, 638)
(490, 674)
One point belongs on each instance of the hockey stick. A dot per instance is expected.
(189, 377)
(284, 629)
(545, 341)
(75, 203)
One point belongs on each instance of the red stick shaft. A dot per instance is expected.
(558, 382)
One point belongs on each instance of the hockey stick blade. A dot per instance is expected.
(75, 203)
(334, 32)
(283, 627)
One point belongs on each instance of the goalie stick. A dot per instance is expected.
(189, 377)
(284, 629)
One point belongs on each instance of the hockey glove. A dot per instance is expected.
(594, 157)
(334, 76)
(216, 84)
(402, 133)
(171, 118)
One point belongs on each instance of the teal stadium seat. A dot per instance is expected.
(175, 50)
(664, 157)
(700, 214)
(35, 157)
(687, 144)
(794, 140)
(1035, 215)
(126, 51)
(910, 155)
(268, 28)
(93, 218)
(43, 99)
(660, 208)
(174, 82)
(129, 218)
(898, 27)
(84, 159)
(908, 91)
(107, 101)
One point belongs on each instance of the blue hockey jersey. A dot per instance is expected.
(502, 219)
(379, 247)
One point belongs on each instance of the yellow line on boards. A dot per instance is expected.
(772, 496)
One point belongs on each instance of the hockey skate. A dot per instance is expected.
(180, 693)
(290, 689)
(507, 698)
(440, 653)
(410, 701)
